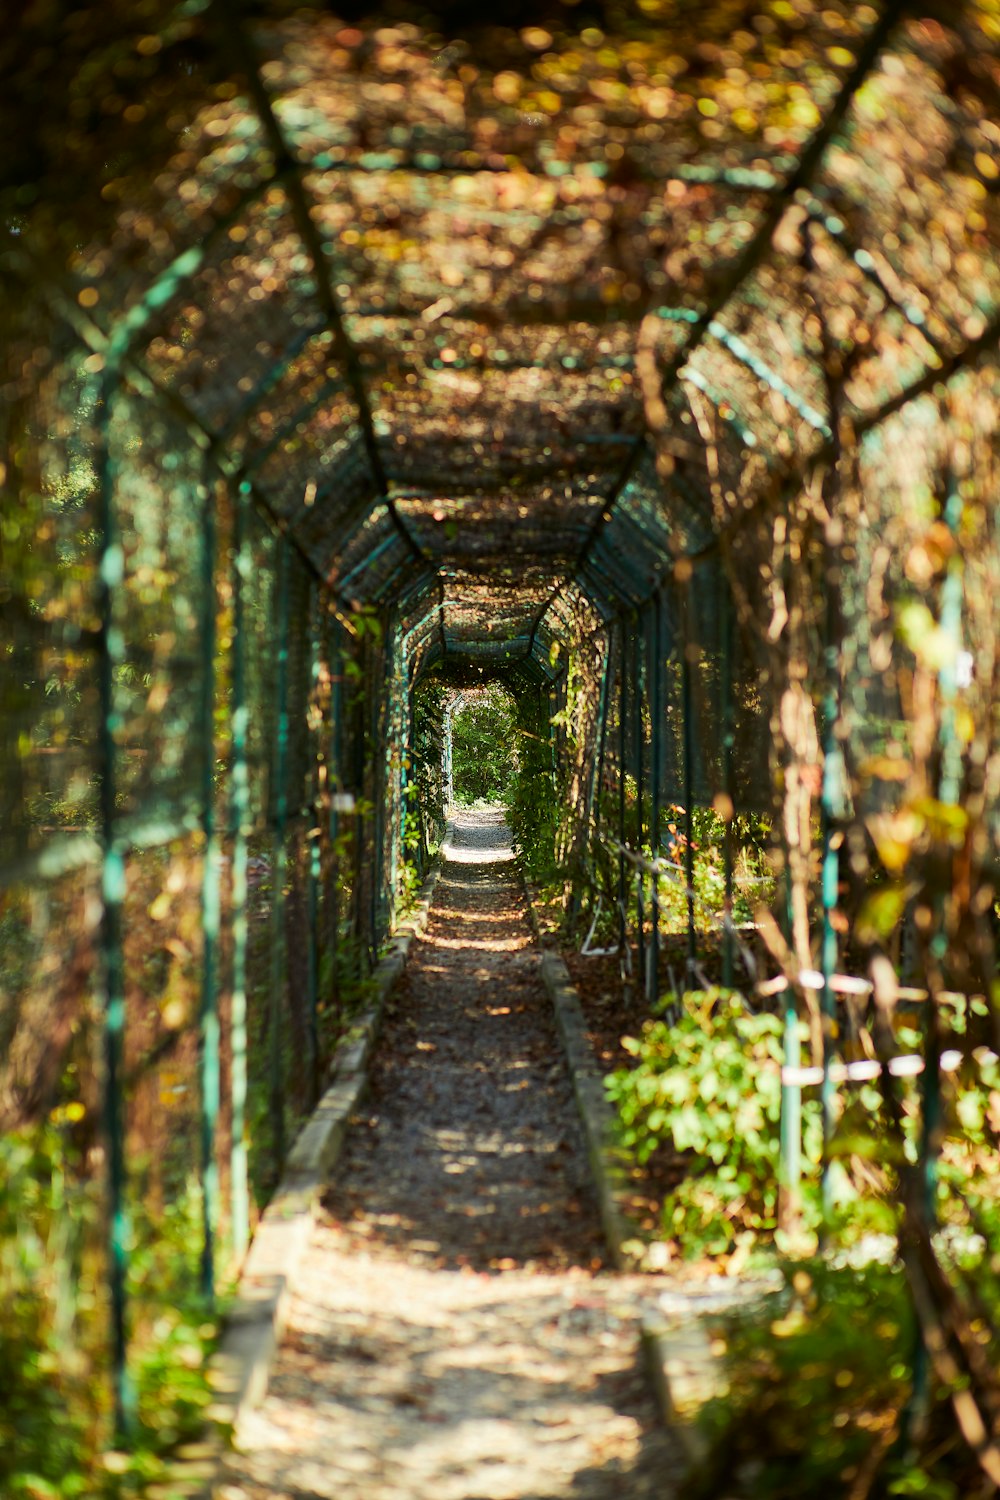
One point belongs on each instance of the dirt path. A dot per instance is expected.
(455, 1337)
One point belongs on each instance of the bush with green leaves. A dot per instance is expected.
(709, 1085)
(46, 1415)
(425, 781)
(535, 811)
(822, 1396)
(482, 746)
(817, 1395)
(55, 1409)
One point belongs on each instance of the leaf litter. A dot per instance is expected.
(456, 1333)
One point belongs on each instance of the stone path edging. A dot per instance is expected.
(238, 1371)
(595, 1112)
(240, 1367)
(682, 1369)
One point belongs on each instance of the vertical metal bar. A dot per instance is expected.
(405, 753)
(728, 743)
(639, 738)
(315, 850)
(336, 753)
(581, 893)
(210, 910)
(423, 842)
(950, 779)
(832, 795)
(336, 723)
(949, 793)
(687, 712)
(830, 878)
(554, 729)
(790, 1173)
(655, 670)
(240, 810)
(315, 1058)
(111, 651)
(356, 740)
(790, 1166)
(446, 769)
(379, 794)
(279, 862)
(622, 731)
(832, 809)
(394, 777)
(597, 784)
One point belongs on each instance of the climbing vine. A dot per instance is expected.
(485, 748)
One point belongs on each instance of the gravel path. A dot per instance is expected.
(455, 1336)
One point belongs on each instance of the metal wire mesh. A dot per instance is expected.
(642, 365)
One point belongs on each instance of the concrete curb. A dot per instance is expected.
(596, 1114)
(684, 1375)
(683, 1371)
(238, 1371)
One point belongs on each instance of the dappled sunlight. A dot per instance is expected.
(456, 1341)
(492, 945)
(443, 913)
(495, 854)
(441, 1383)
(564, 427)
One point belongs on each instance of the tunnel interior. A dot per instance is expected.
(493, 339)
(638, 357)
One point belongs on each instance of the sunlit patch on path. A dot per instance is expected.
(478, 838)
(457, 1337)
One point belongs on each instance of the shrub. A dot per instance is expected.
(710, 1085)
(482, 736)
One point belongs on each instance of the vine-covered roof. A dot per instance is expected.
(490, 317)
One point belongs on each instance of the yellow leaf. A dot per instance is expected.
(840, 57)
(965, 726)
(894, 835)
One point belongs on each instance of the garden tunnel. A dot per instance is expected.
(642, 358)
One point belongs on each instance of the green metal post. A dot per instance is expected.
(580, 894)
(240, 812)
(832, 808)
(446, 760)
(411, 753)
(828, 1093)
(728, 744)
(687, 710)
(790, 1170)
(210, 908)
(380, 793)
(394, 782)
(405, 752)
(622, 730)
(335, 770)
(950, 780)
(111, 651)
(553, 710)
(638, 730)
(655, 674)
(313, 874)
(279, 861)
(597, 782)
(790, 1147)
(949, 793)
(336, 722)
